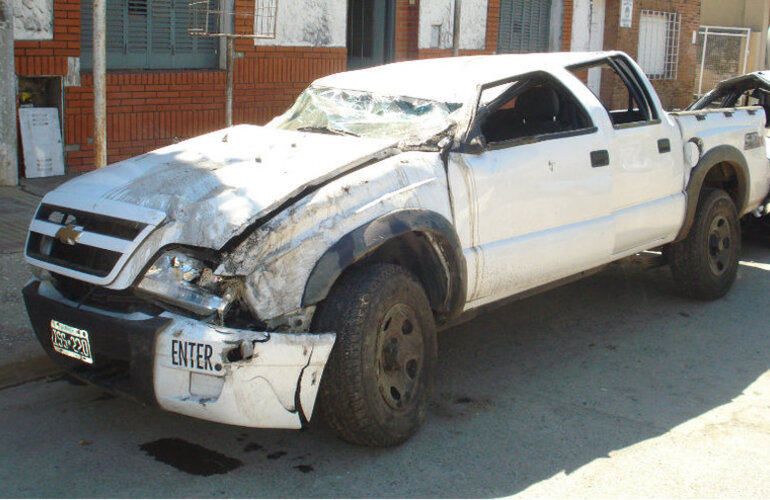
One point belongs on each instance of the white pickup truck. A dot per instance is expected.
(222, 276)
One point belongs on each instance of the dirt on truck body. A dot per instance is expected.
(241, 275)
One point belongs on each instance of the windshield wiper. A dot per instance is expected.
(326, 130)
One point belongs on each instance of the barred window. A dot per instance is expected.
(524, 26)
(148, 34)
(659, 44)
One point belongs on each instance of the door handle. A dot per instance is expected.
(664, 146)
(600, 158)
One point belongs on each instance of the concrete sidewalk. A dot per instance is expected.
(21, 357)
(18, 204)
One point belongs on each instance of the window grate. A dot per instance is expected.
(148, 34)
(265, 13)
(723, 53)
(659, 44)
(217, 18)
(524, 26)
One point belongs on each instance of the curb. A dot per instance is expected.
(21, 372)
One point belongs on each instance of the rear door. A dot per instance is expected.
(646, 159)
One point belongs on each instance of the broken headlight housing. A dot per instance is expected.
(184, 281)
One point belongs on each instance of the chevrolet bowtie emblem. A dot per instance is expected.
(69, 234)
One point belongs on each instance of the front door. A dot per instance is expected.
(370, 32)
(533, 205)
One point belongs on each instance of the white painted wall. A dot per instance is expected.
(596, 42)
(473, 23)
(581, 26)
(309, 23)
(554, 32)
(33, 19)
(588, 33)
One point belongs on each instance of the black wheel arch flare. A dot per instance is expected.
(714, 157)
(447, 296)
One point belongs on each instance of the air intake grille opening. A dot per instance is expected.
(93, 223)
(82, 242)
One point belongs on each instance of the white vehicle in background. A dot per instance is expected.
(236, 276)
(752, 89)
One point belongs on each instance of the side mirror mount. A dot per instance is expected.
(475, 146)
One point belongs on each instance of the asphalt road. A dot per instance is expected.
(611, 386)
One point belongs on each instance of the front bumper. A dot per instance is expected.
(239, 377)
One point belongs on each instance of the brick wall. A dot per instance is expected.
(676, 93)
(566, 25)
(407, 27)
(49, 57)
(149, 109)
(493, 25)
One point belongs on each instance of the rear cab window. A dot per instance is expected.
(625, 100)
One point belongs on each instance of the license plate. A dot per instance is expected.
(71, 341)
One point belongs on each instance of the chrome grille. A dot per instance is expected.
(81, 244)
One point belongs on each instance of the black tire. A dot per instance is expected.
(705, 263)
(379, 378)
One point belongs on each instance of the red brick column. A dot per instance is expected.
(406, 32)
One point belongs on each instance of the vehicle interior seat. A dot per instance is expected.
(537, 111)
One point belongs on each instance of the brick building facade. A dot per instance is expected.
(675, 91)
(148, 108)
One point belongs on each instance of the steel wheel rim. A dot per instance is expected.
(720, 245)
(400, 357)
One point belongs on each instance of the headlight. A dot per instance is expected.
(178, 279)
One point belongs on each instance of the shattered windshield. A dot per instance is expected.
(359, 113)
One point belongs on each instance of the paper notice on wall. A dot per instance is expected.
(41, 142)
(626, 13)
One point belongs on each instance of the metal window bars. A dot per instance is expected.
(723, 52)
(213, 18)
(658, 50)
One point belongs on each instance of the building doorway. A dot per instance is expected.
(371, 35)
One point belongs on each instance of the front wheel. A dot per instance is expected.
(705, 263)
(379, 377)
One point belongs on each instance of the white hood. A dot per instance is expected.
(211, 187)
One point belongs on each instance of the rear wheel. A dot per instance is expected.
(705, 263)
(379, 377)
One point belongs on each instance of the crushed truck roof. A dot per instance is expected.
(451, 79)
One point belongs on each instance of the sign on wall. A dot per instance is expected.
(626, 13)
(33, 19)
(41, 142)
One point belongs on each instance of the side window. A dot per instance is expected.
(624, 99)
(529, 108)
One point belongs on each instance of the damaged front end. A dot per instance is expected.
(181, 338)
(242, 376)
(177, 277)
(239, 377)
